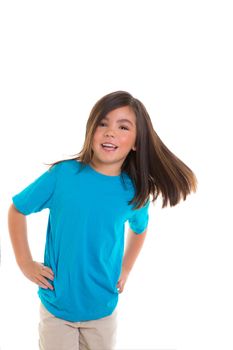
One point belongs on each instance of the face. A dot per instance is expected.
(117, 128)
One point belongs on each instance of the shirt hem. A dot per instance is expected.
(66, 317)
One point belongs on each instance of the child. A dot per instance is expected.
(90, 197)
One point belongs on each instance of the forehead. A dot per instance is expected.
(122, 114)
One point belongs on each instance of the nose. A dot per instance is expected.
(109, 132)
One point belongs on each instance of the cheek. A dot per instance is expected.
(127, 141)
(96, 137)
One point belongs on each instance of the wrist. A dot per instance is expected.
(125, 270)
(24, 262)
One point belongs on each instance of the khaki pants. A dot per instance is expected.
(58, 334)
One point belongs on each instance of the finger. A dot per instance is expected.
(40, 284)
(47, 272)
(122, 287)
(44, 267)
(45, 282)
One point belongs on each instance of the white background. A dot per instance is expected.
(57, 59)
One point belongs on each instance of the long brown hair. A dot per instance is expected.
(153, 168)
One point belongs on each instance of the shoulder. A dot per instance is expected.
(65, 166)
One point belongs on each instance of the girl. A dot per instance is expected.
(90, 197)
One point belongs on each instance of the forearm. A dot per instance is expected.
(17, 225)
(133, 247)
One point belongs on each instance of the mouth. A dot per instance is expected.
(109, 147)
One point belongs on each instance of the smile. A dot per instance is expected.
(109, 147)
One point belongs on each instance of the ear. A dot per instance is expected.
(134, 148)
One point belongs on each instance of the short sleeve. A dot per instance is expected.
(39, 194)
(139, 220)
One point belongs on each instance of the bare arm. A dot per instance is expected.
(33, 270)
(17, 225)
(133, 247)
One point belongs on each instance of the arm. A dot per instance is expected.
(17, 225)
(35, 271)
(133, 247)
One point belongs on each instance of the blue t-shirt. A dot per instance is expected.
(85, 236)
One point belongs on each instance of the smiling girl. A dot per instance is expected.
(123, 163)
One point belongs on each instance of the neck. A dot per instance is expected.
(106, 169)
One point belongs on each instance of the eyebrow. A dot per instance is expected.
(121, 120)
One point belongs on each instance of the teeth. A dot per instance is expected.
(108, 145)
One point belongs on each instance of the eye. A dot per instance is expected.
(101, 123)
